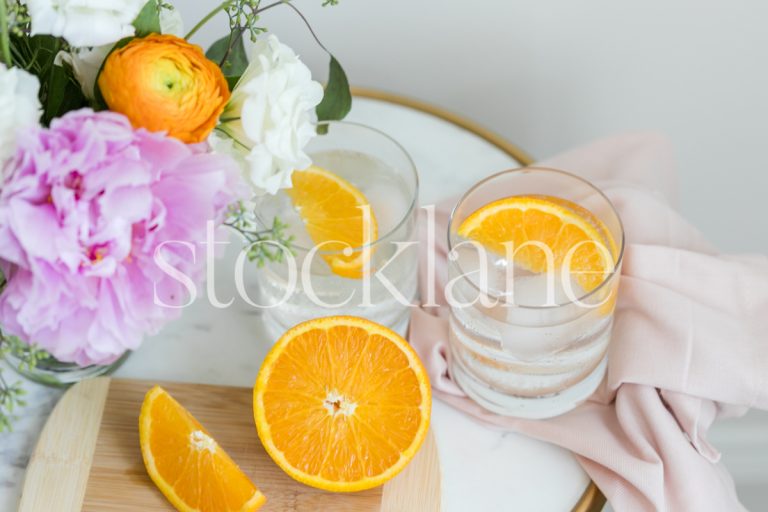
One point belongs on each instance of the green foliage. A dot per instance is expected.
(59, 90)
(17, 17)
(148, 20)
(28, 355)
(14, 19)
(10, 400)
(262, 244)
(229, 53)
(244, 16)
(337, 99)
(63, 94)
(34, 54)
(11, 394)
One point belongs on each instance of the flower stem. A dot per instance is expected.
(311, 31)
(262, 9)
(207, 18)
(231, 44)
(5, 40)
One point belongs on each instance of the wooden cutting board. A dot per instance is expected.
(88, 456)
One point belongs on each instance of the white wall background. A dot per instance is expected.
(551, 74)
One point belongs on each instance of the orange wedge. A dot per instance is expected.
(557, 223)
(186, 464)
(338, 217)
(342, 403)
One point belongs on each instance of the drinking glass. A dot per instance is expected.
(382, 170)
(522, 343)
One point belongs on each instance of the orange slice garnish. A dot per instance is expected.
(186, 464)
(337, 216)
(342, 403)
(557, 223)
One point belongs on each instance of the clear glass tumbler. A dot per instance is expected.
(379, 167)
(523, 342)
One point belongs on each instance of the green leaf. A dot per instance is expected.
(57, 84)
(41, 51)
(64, 94)
(36, 54)
(148, 20)
(232, 82)
(229, 53)
(337, 100)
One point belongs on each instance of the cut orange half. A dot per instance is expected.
(530, 222)
(338, 218)
(185, 462)
(342, 403)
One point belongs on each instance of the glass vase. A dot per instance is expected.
(41, 367)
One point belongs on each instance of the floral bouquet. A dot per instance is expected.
(118, 136)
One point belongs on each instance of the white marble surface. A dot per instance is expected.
(483, 469)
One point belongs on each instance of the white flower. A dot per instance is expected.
(171, 21)
(86, 62)
(19, 105)
(269, 116)
(85, 22)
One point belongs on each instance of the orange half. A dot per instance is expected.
(342, 403)
(187, 464)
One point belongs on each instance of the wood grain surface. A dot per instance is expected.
(67, 476)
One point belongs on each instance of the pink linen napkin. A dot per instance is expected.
(689, 344)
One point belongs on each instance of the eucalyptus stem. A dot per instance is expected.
(208, 17)
(5, 38)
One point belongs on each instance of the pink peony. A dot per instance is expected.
(83, 207)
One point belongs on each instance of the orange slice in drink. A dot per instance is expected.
(342, 403)
(543, 221)
(338, 218)
(186, 464)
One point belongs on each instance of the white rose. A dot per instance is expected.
(86, 62)
(19, 105)
(269, 116)
(85, 22)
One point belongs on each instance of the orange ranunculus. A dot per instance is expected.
(163, 83)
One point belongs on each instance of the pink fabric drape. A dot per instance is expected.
(689, 343)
